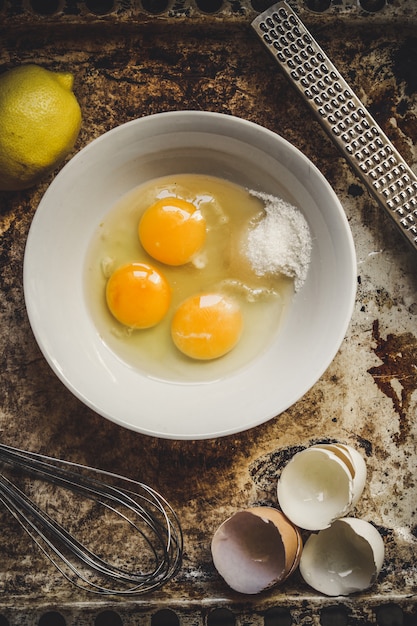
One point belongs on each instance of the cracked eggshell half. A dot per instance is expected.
(344, 558)
(255, 549)
(321, 484)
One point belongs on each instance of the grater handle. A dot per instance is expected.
(342, 115)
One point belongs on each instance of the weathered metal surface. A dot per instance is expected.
(126, 68)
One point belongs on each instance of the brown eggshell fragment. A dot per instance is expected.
(290, 535)
(256, 549)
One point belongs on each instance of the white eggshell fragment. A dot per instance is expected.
(344, 558)
(256, 549)
(321, 484)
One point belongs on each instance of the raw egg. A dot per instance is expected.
(172, 231)
(207, 326)
(138, 295)
(218, 267)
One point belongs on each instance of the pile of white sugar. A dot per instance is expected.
(281, 242)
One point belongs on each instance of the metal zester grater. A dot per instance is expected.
(342, 115)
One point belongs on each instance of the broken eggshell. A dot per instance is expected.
(344, 558)
(255, 549)
(321, 484)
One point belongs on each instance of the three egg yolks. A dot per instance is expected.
(205, 326)
(172, 230)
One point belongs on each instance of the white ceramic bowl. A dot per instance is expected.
(69, 214)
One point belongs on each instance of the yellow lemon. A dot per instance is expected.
(40, 119)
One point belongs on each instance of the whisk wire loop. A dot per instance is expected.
(140, 507)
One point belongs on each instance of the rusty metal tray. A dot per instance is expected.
(133, 58)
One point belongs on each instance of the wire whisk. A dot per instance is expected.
(131, 520)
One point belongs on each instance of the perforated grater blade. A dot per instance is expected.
(342, 115)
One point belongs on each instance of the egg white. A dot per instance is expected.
(229, 210)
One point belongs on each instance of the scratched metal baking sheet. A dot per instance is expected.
(131, 59)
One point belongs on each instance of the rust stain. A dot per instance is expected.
(398, 354)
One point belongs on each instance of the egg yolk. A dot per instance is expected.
(207, 326)
(138, 295)
(172, 230)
